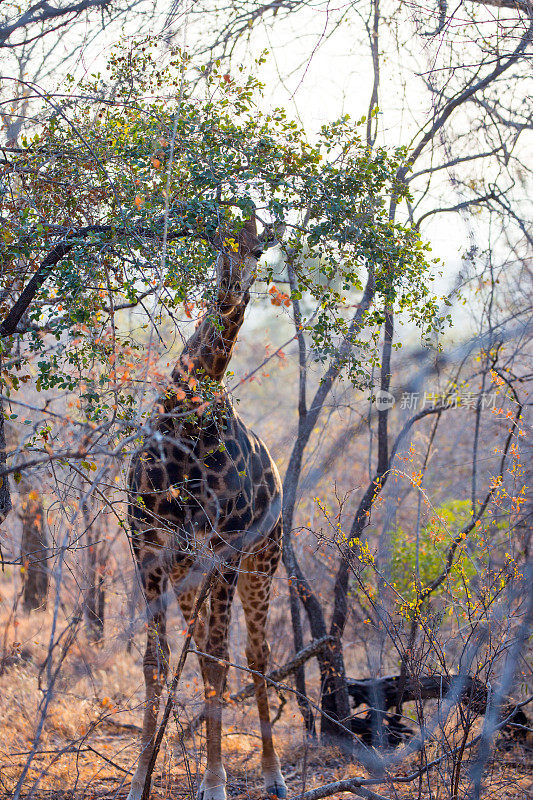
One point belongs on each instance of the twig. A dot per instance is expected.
(353, 785)
(117, 766)
(279, 674)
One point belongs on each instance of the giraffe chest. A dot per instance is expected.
(186, 491)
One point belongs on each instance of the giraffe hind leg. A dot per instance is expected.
(187, 602)
(214, 671)
(254, 585)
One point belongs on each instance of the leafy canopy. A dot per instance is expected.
(140, 168)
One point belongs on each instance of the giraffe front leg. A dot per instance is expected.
(214, 671)
(254, 590)
(155, 666)
(214, 782)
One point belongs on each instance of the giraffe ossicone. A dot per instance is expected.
(203, 486)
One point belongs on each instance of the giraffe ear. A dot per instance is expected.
(271, 235)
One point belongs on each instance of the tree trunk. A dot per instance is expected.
(5, 497)
(94, 605)
(334, 690)
(299, 675)
(335, 700)
(34, 552)
(95, 597)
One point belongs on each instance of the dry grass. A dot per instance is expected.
(88, 744)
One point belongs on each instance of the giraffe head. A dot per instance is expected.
(238, 257)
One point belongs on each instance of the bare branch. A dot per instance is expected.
(465, 95)
(475, 201)
(43, 12)
(517, 5)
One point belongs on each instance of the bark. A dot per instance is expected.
(5, 496)
(34, 552)
(94, 604)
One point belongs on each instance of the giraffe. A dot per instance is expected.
(205, 485)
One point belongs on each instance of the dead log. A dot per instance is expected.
(381, 694)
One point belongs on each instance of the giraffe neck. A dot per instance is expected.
(209, 350)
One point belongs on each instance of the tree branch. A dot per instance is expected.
(465, 95)
(42, 12)
(60, 250)
(291, 666)
(516, 5)
(476, 201)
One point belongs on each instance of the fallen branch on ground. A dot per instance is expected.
(381, 694)
(385, 690)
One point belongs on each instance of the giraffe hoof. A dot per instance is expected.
(278, 790)
(212, 793)
(215, 793)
